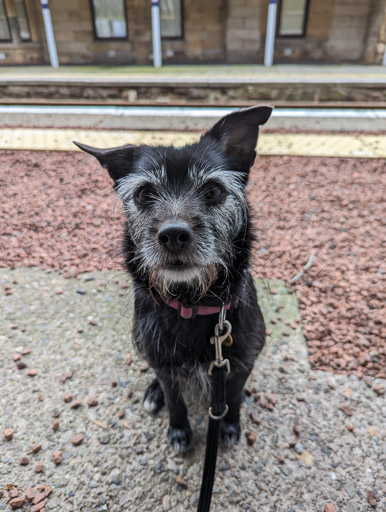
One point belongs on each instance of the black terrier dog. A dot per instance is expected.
(187, 247)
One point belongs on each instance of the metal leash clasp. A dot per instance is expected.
(220, 336)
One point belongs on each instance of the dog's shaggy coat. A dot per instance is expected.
(188, 238)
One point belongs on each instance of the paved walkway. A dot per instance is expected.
(330, 145)
(288, 73)
(318, 437)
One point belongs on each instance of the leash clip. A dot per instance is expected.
(221, 336)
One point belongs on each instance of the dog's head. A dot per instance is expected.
(185, 206)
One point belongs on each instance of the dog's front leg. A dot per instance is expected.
(230, 425)
(179, 431)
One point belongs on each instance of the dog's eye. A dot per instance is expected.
(214, 193)
(144, 195)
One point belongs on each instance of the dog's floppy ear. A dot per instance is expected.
(237, 134)
(118, 161)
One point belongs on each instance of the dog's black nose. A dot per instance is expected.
(175, 237)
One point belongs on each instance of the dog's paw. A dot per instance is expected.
(180, 438)
(230, 433)
(153, 399)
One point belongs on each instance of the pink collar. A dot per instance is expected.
(191, 312)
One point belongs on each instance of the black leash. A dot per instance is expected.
(218, 370)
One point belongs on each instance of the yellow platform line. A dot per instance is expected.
(299, 144)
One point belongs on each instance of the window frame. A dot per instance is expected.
(182, 36)
(305, 23)
(99, 39)
(9, 27)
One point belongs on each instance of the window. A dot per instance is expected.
(21, 13)
(293, 18)
(5, 33)
(109, 18)
(171, 19)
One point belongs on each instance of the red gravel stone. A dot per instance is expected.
(181, 481)
(38, 508)
(251, 437)
(36, 448)
(55, 424)
(254, 418)
(92, 401)
(67, 397)
(39, 467)
(13, 493)
(371, 498)
(8, 434)
(39, 496)
(21, 365)
(57, 457)
(379, 389)
(17, 357)
(76, 404)
(144, 368)
(329, 507)
(346, 409)
(26, 351)
(17, 502)
(77, 439)
(32, 373)
(24, 461)
(29, 493)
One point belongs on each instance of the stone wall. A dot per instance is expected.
(243, 31)
(350, 20)
(214, 31)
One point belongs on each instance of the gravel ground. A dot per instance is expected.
(318, 437)
(58, 212)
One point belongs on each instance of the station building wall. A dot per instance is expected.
(228, 31)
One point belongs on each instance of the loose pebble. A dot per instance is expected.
(57, 457)
(39, 467)
(76, 404)
(77, 439)
(181, 481)
(251, 437)
(36, 448)
(92, 401)
(8, 434)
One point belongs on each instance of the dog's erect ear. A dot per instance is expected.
(237, 133)
(118, 161)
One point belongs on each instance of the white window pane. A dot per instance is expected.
(110, 20)
(171, 18)
(292, 17)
